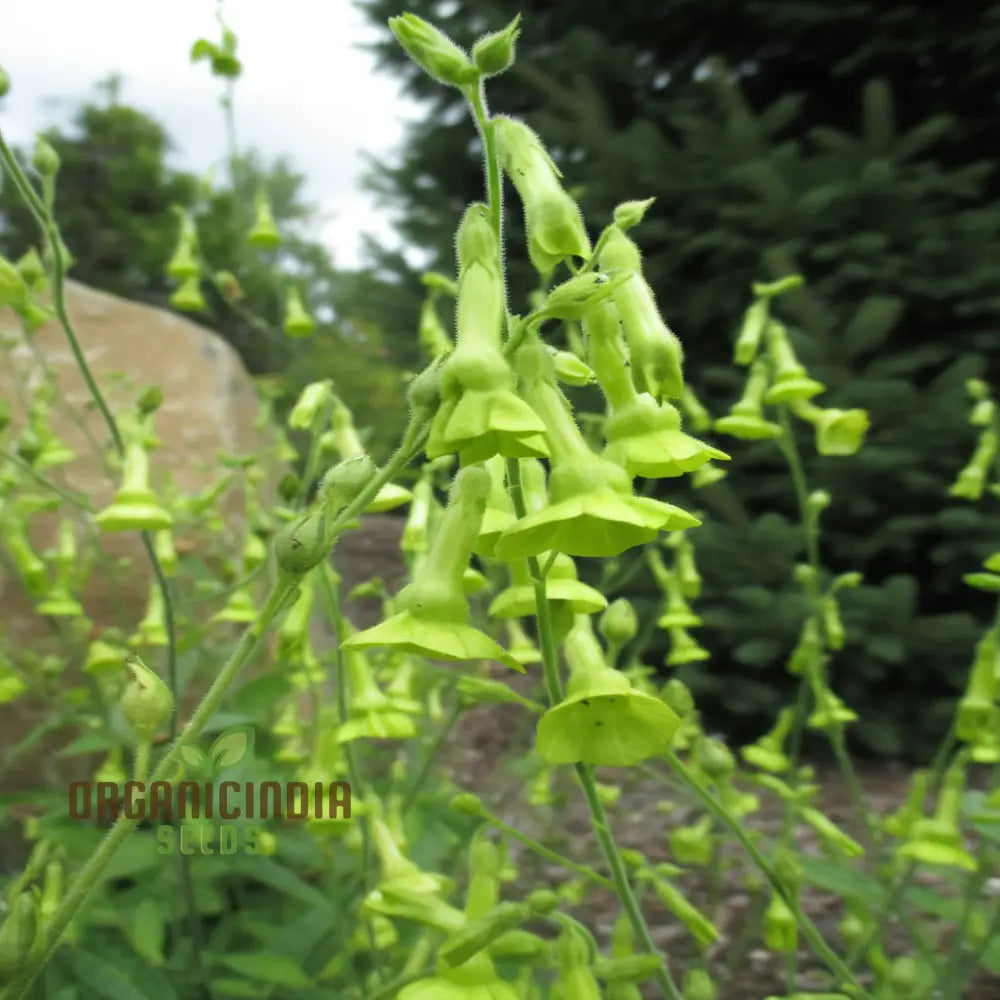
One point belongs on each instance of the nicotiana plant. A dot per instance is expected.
(356, 908)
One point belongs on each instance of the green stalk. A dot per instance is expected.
(809, 929)
(276, 602)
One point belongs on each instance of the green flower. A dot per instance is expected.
(838, 432)
(602, 720)
(791, 381)
(592, 510)
(433, 615)
(746, 418)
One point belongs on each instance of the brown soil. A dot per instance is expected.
(474, 758)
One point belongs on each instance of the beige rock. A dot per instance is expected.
(210, 405)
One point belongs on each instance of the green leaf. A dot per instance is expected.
(872, 323)
(269, 968)
(230, 987)
(106, 980)
(145, 928)
(990, 582)
(265, 870)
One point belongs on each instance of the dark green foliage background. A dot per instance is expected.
(851, 143)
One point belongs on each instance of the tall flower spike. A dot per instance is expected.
(655, 351)
(349, 445)
(838, 432)
(602, 720)
(791, 381)
(746, 418)
(480, 415)
(644, 437)
(552, 219)
(592, 509)
(433, 614)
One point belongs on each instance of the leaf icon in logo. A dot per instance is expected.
(193, 757)
(231, 747)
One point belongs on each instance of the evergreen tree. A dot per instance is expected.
(849, 145)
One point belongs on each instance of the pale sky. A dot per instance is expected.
(306, 91)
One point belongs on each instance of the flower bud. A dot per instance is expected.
(12, 288)
(17, 935)
(345, 481)
(45, 159)
(147, 703)
(698, 985)
(433, 51)
(570, 370)
(303, 544)
(424, 394)
(495, 52)
(309, 404)
(468, 804)
(619, 623)
(631, 213)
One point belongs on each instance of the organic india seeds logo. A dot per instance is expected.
(188, 807)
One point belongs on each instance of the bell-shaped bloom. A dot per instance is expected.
(135, 506)
(978, 705)
(152, 630)
(240, 608)
(30, 566)
(655, 352)
(971, 481)
(519, 645)
(264, 234)
(553, 221)
(592, 510)
(373, 713)
(297, 321)
(187, 296)
(768, 752)
(561, 587)
(938, 840)
(791, 380)
(692, 845)
(900, 822)
(684, 648)
(746, 419)
(480, 414)
(602, 720)
(838, 432)
(476, 979)
(59, 601)
(184, 263)
(499, 515)
(575, 979)
(433, 615)
(644, 437)
(404, 890)
(830, 712)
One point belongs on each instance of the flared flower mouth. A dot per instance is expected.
(436, 640)
(599, 524)
(606, 729)
(481, 423)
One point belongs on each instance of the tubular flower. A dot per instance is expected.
(592, 510)
(433, 615)
(643, 437)
(480, 415)
(746, 418)
(654, 350)
(552, 219)
(791, 381)
(602, 720)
